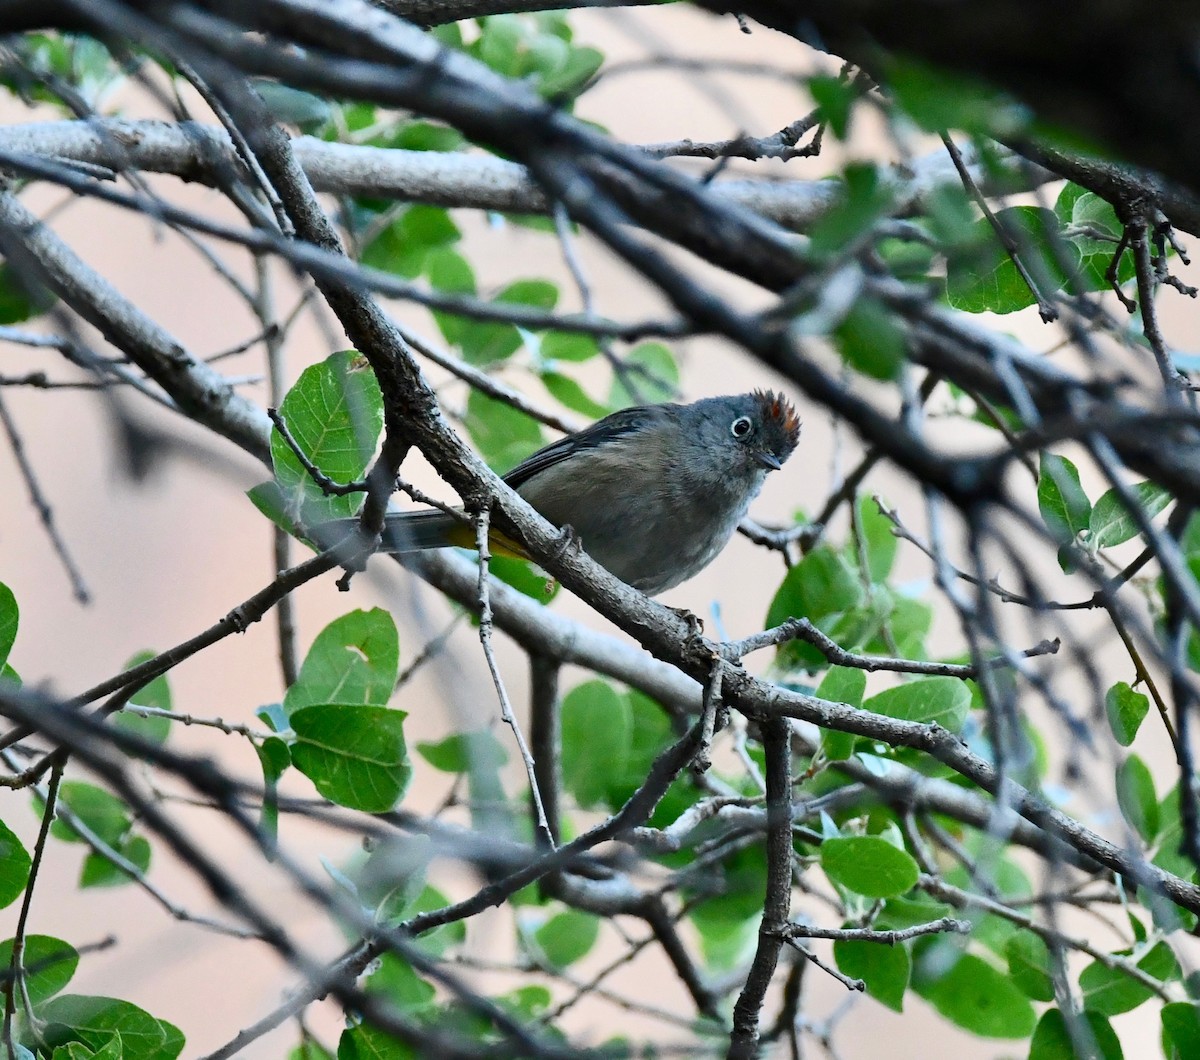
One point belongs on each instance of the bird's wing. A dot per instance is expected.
(619, 424)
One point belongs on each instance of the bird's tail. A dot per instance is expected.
(417, 531)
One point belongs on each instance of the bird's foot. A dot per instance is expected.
(568, 541)
(695, 624)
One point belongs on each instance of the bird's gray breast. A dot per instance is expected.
(650, 518)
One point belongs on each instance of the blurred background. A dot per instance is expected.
(166, 555)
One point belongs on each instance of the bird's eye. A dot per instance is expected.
(741, 427)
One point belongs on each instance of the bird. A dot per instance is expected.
(653, 492)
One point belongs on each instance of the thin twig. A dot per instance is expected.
(1046, 309)
(506, 712)
(803, 629)
(326, 484)
(888, 938)
(42, 506)
(16, 968)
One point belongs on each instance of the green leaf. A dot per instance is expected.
(365, 1042)
(97, 1021)
(909, 623)
(525, 576)
(10, 615)
(335, 414)
(728, 922)
(97, 809)
(1111, 992)
(900, 913)
(354, 659)
(1052, 1041)
(980, 999)
(309, 1050)
(1111, 523)
(21, 297)
(566, 937)
(1181, 1030)
(821, 587)
(98, 871)
(292, 106)
(480, 757)
(464, 751)
(651, 733)
(869, 865)
(841, 684)
(573, 75)
(1029, 965)
(503, 435)
(870, 341)
(403, 246)
(438, 941)
(943, 700)
(866, 199)
(393, 877)
(879, 543)
(981, 277)
(885, 969)
(78, 1051)
(568, 393)
(484, 342)
(396, 980)
(568, 346)
(526, 1002)
(274, 757)
(449, 273)
(1082, 212)
(1126, 711)
(354, 755)
(836, 98)
(499, 44)
(156, 694)
(650, 375)
(49, 963)
(597, 734)
(906, 260)
(425, 136)
(938, 99)
(1065, 508)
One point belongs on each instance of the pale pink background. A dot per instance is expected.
(167, 557)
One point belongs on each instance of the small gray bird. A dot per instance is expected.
(653, 492)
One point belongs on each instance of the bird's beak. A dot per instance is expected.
(768, 460)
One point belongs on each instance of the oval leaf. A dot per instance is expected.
(49, 965)
(335, 414)
(944, 700)
(981, 999)
(982, 277)
(566, 937)
(1029, 965)
(885, 969)
(355, 659)
(597, 733)
(1110, 991)
(869, 866)
(1064, 506)
(9, 616)
(1112, 523)
(14, 866)
(356, 756)
(97, 1021)
(1126, 711)
(1181, 1029)
(1052, 1041)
